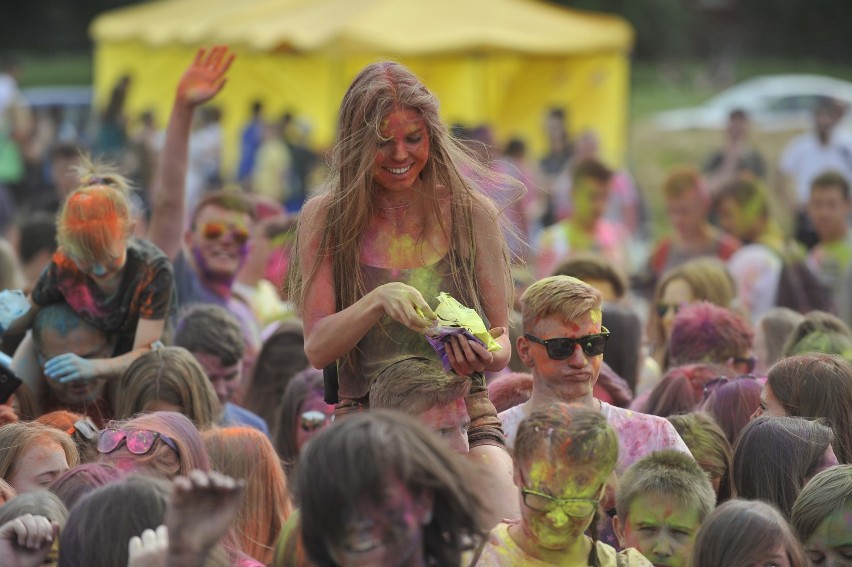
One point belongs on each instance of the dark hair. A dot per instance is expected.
(775, 456)
(303, 384)
(740, 532)
(831, 180)
(102, 522)
(681, 389)
(74, 484)
(745, 192)
(38, 233)
(623, 355)
(732, 405)
(592, 168)
(281, 357)
(349, 464)
(586, 266)
(738, 113)
(211, 329)
(817, 386)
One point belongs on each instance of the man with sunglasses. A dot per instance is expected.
(209, 249)
(563, 344)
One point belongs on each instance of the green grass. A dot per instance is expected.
(657, 86)
(68, 69)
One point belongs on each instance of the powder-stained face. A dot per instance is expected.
(38, 466)
(403, 150)
(687, 212)
(590, 198)
(661, 528)
(560, 526)
(828, 210)
(216, 242)
(388, 534)
(107, 268)
(450, 422)
(831, 542)
(566, 380)
(84, 341)
(226, 380)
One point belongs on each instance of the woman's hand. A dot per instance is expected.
(402, 302)
(201, 510)
(205, 77)
(467, 356)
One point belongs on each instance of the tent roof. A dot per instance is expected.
(404, 27)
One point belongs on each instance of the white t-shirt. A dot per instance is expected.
(804, 158)
(756, 270)
(639, 434)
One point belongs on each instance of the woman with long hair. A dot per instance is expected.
(243, 453)
(380, 489)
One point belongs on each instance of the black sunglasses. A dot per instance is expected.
(563, 347)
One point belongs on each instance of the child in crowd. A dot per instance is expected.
(822, 517)
(752, 533)
(118, 284)
(662, 500)
(564, 457)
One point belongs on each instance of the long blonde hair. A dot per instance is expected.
(377, 90)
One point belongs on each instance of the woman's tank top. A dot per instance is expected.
(389, 341)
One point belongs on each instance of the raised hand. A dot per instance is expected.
(149, 549)
(26, 541)
(205, 77)
(202, 508)
(406, 305)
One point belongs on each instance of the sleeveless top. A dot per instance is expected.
(389, 341)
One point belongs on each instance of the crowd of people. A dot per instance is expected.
(269, 374)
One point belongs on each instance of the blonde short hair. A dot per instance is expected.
(564, 296)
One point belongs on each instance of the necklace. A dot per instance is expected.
(396, 207)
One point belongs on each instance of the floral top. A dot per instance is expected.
(638, 433)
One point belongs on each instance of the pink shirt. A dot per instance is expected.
(639, 434)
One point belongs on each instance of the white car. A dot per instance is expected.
(773, 102)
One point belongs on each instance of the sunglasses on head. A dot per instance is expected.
(139, 442)
(313, 420)
(563, 347)
(717, 383)
(215, 230)
(86, 428)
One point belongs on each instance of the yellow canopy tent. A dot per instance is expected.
(496, 62)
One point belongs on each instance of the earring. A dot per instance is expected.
(427, 517)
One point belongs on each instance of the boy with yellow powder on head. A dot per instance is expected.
(662, 500)
(564, 457)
